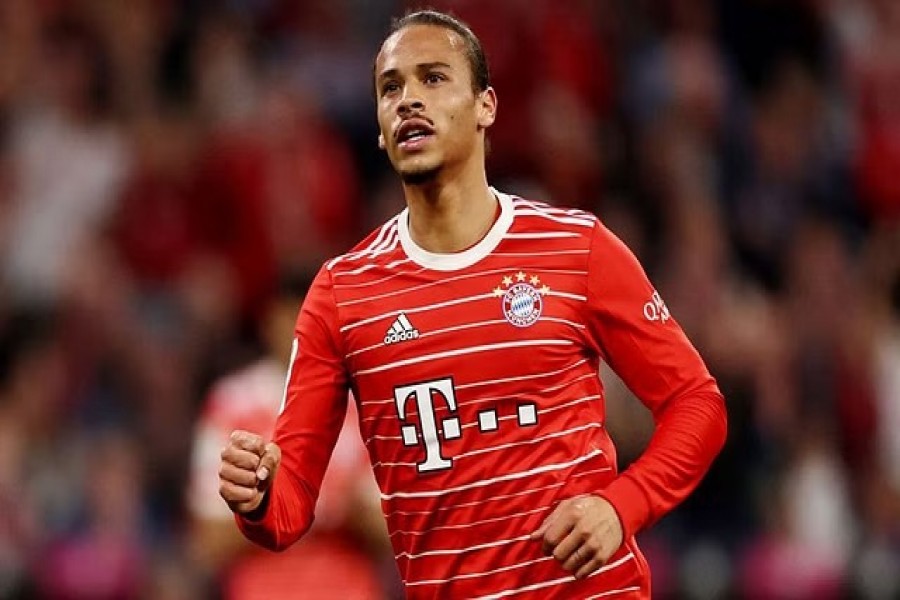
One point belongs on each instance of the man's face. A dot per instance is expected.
(428, 114)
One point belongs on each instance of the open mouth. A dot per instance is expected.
(413, 134)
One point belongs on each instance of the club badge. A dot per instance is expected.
(521, 298)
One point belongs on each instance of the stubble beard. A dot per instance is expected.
(419, 176)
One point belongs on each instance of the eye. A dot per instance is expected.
(389, 87)
(434, 78)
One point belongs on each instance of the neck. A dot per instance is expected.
(450, 216)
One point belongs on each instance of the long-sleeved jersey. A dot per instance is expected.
(476, 378)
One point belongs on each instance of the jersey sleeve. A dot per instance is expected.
(310, 419)
(645, 346)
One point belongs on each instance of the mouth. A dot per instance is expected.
(413, 134)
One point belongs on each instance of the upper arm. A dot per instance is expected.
(634, 330)
(315, 396)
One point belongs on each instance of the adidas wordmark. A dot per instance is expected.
(400, 331)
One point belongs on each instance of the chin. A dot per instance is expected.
(418, 174)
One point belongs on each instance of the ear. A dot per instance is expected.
(381, 141)
(487, 109)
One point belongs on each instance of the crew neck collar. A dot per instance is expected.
(455, 261)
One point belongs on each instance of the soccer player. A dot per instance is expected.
(470, 328)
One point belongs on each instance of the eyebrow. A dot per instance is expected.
(419, 68)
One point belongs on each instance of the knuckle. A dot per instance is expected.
(225, 490)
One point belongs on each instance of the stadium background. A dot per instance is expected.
(164, 163)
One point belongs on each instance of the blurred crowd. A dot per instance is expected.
(173, 171)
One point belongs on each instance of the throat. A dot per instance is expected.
(447, 227)
(484, 233)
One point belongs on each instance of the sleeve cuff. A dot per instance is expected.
(256, 525)
(630, 504)
(259, 513)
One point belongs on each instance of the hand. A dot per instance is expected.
(247, 470)
(581, 533)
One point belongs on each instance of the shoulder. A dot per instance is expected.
(379, 245)
(536, 220)
(542, 215)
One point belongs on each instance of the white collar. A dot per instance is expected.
(458, 260)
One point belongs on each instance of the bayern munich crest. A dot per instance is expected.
(521, 298)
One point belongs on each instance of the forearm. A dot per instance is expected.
(690, 432)
(310, 419)
(286, 514)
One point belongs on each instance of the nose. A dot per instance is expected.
(411, 102)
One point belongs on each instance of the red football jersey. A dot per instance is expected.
(476, 377)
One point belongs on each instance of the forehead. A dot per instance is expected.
(417, 44)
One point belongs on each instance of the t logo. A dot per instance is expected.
(424, 394)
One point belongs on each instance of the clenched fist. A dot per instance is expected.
(582, 533)
(247, 470)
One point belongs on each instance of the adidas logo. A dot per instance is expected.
(400, 331)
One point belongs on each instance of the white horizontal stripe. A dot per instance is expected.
(506, 446)
(526, 212)
(466, 386)
(528, 563)
(388, 230)
(536, 440)
(428, 334)
(393, 313)
(568, 404)
(550, 209)
(445, 280)
(461, 352)
(539, 254)
(451, 551)
(495, 498)
(542, 411)
(567, 295)
(364, 268)
(526, 492)
(566, 579)
(423, 286)
(482, 573)
(634, 588)
(547, 235)
(551, 388)
(486, 482)
(382, 437)
(471, 524)
(350, 255)
(485, 399)
(380, 464)
(565, 322)
(458, 328)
